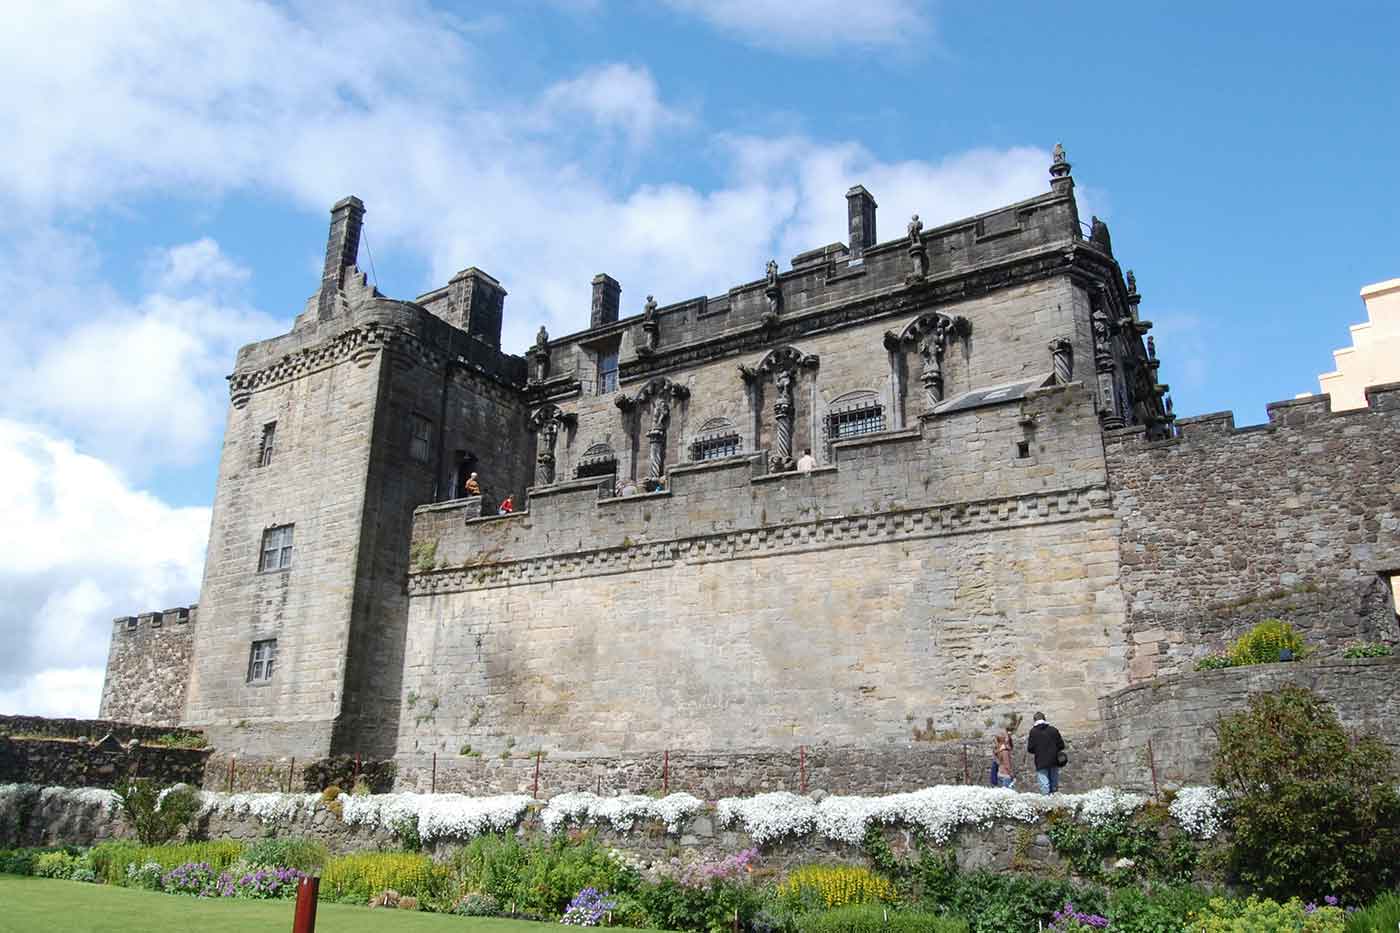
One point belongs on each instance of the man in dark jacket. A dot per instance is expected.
(1046, 746)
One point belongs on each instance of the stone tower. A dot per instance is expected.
(336, 431)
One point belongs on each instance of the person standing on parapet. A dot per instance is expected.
(1001, 750)
(806, 463)
(1047, 747)
(473, 487)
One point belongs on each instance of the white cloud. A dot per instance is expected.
(81, 546)
(617, 97)
(140, 383)
(814, 25)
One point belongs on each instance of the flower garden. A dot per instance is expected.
(1301, 832)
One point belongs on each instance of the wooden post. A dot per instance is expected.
(802, 767)
(356, 779)
(967, 775)
(291, 773)
(1152, 764)
(231, 760)
(432, 788)
(665, 772)
(305, 919)
(535, 793)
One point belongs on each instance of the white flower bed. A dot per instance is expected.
(439, 815)
(938, 811)
(621, 813)
(1198, 810)
(267, 808)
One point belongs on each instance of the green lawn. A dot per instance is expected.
(40, 904)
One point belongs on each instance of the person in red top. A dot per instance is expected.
(507, 506)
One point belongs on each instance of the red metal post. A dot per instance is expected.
(802, 766)
(304, 920)
(536, 792)
(666, 771)
(356, 779)
(432, 788)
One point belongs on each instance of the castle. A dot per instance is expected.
(1003, 513)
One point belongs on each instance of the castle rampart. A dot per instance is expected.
(148, 666)
(1297, 519)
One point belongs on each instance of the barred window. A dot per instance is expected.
(856, 419)
(269, 438)
(714, 446)
(262, 658)
(420, 446)
(276, 548)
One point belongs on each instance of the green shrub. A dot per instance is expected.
(1225, 915)
(1313, 811)
(1374, 650)
(19, 861)
(477, 904)
(110, 859)
(1381, 917)
(540, 877)
(305, 855)
(1214, 662)
(998, 903)
(364, 875)
(711, 908)
(1262, 644)
(1164, 910)
(55, 865)
(157, 813)
(874, 918)
(1152, 852)
(831, 886)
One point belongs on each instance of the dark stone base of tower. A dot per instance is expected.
(870, 506)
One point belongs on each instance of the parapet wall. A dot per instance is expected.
(148, 667)
(1297, 519)
(1176, 714)
(94, 752)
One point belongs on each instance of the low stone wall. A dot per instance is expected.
(710, 775)
(75, 763)
(92, 729)
(1176, 713)
(46, 817)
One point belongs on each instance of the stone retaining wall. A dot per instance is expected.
(75, 763)
(1176, 713)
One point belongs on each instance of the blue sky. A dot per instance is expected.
(168, 168)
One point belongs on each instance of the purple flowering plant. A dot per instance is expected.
(588, 908)
(261, 883)
(1067, 918)
(730, 868)
(196, 879)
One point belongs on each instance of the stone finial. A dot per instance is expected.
(1059, 165)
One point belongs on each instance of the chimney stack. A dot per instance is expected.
(342, 248)
(606, 292)
(477, 302)
(860, 217)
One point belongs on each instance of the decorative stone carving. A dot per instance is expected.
(1059, 165)
(1151, 348)
(539, 356)
(783, 366)
(1062, 356)
(773, 293)
(650, 327)
(1110, 411)
(1132, 283)
(546, 422)
(917, 254)
(930, 333)
(660, 392)
(1098, 235)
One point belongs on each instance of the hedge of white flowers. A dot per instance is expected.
(619, 812)
(439, 816)
(938, 811)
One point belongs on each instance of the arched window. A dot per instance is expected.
(716, 439)
(854, 414)
(598, 460)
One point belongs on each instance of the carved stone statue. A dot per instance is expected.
(542, 337)
(917, 254)
(650, 326)
(660, 410)
(771, 273)
(782, 380)
(1132, 283)
(1098, 235)
(1057, 155)
(774, 293)
(649, 310)
(1151, 349)
(1059, 165)
(539, 356)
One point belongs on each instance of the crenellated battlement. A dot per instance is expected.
(151, 622)
(148, 666)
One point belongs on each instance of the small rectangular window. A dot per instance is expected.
(1023, 449)
(607, 371)
(420, 447)
(269, 439)
(262, 658)
(276, 548)
(714, 447)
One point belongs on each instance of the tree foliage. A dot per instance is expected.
(1314, 810)
(156, 813)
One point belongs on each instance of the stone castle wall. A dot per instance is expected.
(1297, 519)
(148, 666)
(928, 584)
(1176, 713)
